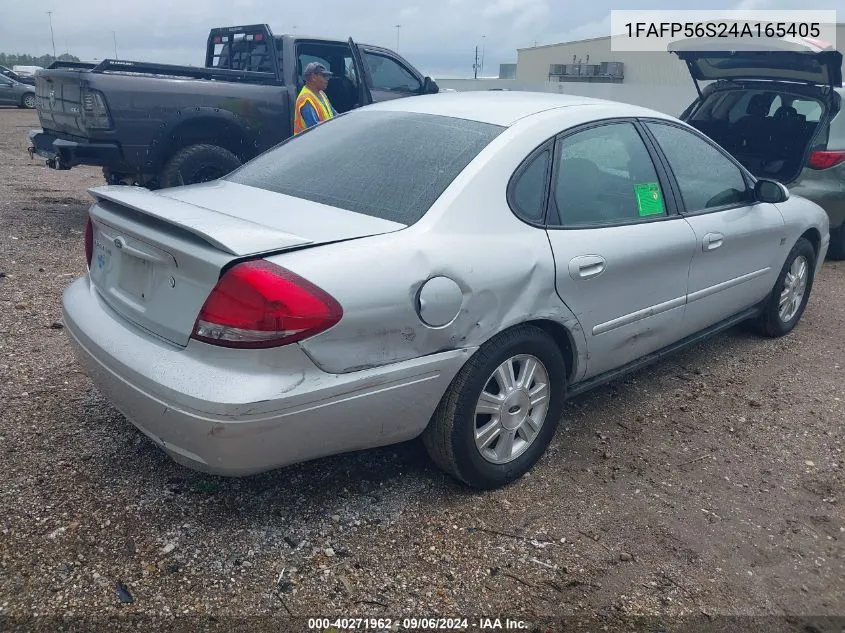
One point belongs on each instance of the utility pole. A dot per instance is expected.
(114, 36)
(475, 65)
(52, 38)
(398, 26)
(483, 37)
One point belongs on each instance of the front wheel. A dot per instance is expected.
(28, 101)
(197, 163)
(788, 299)
(501, 410)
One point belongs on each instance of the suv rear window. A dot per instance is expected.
(391, 165)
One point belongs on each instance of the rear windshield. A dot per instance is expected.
(391, 165)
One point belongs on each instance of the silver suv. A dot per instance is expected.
(779, 113)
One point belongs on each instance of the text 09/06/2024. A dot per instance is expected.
(384, 625)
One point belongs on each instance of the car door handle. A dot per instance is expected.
(586, 266)
(712, 241)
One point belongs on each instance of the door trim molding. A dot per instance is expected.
(730, 283)
(633, 317)
(660, 308)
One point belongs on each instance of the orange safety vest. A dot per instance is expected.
(319, 102)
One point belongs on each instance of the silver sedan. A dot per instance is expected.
(450, 266)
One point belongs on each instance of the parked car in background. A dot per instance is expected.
(779, 113)
(160, 125)
(11, 74)
(530, 247)
(26, 71)
(15, 93)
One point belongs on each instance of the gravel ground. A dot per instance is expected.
(711, 483)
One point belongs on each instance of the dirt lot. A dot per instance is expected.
(709, 484)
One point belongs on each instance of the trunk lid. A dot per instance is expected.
(786, 59)
(158, 255)
(59, 101)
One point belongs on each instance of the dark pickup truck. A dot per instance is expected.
(158, 125)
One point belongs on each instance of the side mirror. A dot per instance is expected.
(430, 87)
(770, 191)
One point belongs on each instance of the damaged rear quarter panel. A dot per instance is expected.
(503, 267)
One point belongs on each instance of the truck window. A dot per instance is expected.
(389, 74)
(243, 52)
(305, 59)
(343, 89)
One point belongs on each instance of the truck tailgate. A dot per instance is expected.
(59, 97)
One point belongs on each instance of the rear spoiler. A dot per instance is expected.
(227, 233)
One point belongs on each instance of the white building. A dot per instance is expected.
(590, 68)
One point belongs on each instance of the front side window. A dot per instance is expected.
(388, 74)
(605, 176)
(706, 177)
(390, 165)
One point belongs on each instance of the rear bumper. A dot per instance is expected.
(239, 412)
(64, 154)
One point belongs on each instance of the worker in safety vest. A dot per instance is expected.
(312, 104)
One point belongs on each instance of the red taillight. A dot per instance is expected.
(89, 242)
(259, 304)
(825, 159)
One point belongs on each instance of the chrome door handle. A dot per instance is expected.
(586, 266)
(712, 241)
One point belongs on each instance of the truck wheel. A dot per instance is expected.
(28, 101)
(197, 163)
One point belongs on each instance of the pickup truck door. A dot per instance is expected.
(364, 95)
(389, 76)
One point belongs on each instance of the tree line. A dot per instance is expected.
(10, 59)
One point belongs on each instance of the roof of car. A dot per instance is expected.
(500, 107)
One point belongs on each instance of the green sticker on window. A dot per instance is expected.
(649, 199)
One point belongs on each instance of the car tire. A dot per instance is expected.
(450, 437)
(29, 101)
(197, 163)
(788, 299)
(836, 250)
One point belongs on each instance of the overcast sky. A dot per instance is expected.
(437, 36)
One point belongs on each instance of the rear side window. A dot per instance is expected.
(604, 177)
(529, 190)
(390, 165)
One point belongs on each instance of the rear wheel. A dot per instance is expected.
(789, 297)
(836, 250)
(501, 410)
(28, 101)
(197, 163)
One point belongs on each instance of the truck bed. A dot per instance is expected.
(149, 105)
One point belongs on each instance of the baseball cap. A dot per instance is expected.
(316, 68)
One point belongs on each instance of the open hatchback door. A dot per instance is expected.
(770, 107)
(787, 59)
